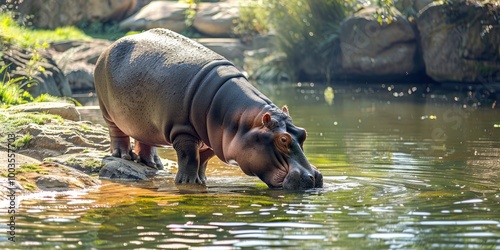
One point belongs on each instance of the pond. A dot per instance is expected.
(406, 166)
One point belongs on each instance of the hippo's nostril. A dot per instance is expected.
(311, 177)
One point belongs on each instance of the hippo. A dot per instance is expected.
(163, 89)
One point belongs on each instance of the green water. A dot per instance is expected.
(405, 167)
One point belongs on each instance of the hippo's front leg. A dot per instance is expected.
(188, 159)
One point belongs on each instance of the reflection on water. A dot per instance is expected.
(405, 167)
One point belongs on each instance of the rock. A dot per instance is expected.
(88, 162)
(217, 19)
(77, 60)
(230, 48)
(48, 182)
(5, 184)
(117, 168)
(9, 188)
(65, 110)
(371, 49)
(47, 76)
(55, 138)
(158, 14)
(56, 13)
(460, 41)
(62, 178)
(47, 176)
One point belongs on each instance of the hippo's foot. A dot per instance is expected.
(120, 146)
(148, 155)
(188, 178)
(188, 156)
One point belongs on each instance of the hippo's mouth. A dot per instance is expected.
(278, 178)
(294, 179)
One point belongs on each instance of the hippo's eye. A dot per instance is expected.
(282, 142)
(283, 139)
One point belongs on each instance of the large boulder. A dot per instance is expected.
(231, 48)
(58, 177)
(58, 137)
(77, 60)
(118, 168)
(460, 41)
(57, 13)
(158, 14)
(369, 48)
(44, 74)
(217, 19)
(64, 110)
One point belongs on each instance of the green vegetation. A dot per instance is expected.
(191, 11)
(30, 168)
(23, 141)
(252, 20)
(12, 90)
(11, 33)
(307, 29)
(37, 118)
(29, 187)
(11, 121)
(304, 29)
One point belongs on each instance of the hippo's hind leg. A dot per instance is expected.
(205, 155)
(148, 155)
(120, 143)
(188, 158)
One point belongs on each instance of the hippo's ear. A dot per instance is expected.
(285, 110)
(266, 120)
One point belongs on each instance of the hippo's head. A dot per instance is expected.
(273, 151)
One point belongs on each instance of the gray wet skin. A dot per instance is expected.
(161, 88)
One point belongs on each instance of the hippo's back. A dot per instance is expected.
(142, 81)
(155, 55)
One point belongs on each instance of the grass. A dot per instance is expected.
(12, 121)
(37, 118)
(23, 141)
(28, 168)
(13, 33)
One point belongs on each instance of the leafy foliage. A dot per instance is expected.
(253, 20)
(11, 92)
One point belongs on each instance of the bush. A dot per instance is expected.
(253, 20)
(305, 30)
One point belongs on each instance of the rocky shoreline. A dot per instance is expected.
(60, 153)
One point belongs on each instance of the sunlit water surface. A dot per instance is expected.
(405, 167)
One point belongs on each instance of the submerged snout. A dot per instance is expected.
(301, 179)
